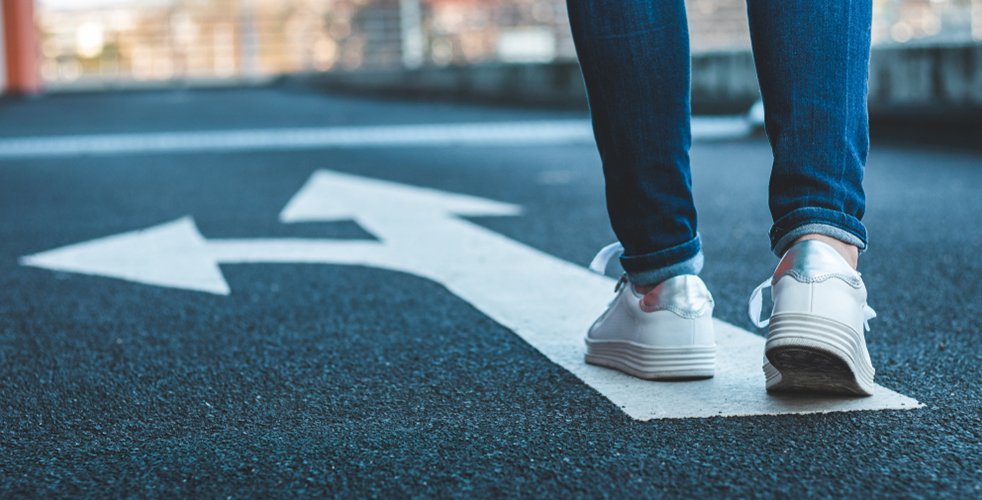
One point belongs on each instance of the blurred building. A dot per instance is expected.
(134, 40)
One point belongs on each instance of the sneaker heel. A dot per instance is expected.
(811, 353)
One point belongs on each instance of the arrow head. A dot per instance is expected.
(330, 195)
(172, 255)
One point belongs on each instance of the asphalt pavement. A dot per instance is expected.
(312, 379)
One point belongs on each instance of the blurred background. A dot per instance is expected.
(100, 42)
(926, 64)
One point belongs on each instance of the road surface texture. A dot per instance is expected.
(313, 379)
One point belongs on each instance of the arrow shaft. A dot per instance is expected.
(302, 251)
(459, 254)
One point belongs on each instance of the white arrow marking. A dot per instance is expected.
(175, 255)
(172, 255)
(546, 301)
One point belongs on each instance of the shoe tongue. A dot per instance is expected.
(811, 258)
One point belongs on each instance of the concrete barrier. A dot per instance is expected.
(935, 80)
(942, 81)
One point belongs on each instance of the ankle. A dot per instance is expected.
(847, 251)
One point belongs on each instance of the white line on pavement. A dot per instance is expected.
(453, 134)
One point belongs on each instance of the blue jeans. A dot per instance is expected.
(812, 60)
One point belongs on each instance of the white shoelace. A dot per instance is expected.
(756, 305)
(600, 261)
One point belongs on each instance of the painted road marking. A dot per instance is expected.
(420, 232)
(456, 134)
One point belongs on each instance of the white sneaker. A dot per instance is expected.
(664, 334)
(815, 340)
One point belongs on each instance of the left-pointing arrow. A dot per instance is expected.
(175, 255)
(172, 255)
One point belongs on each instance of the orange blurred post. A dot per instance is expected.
(21, 45)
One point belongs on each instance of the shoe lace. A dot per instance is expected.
(600, 261)
(756, 305)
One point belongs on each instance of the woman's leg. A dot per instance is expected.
(635, 60)
(812, 62)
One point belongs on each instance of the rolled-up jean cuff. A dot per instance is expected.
(653, 268)
(814, 220)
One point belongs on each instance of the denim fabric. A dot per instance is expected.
(812, 62)
(813, 66)
(653, 268)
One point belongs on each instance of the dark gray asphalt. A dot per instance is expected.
(350, 381)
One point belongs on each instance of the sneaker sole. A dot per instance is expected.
(812, 354)
(653, 363)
